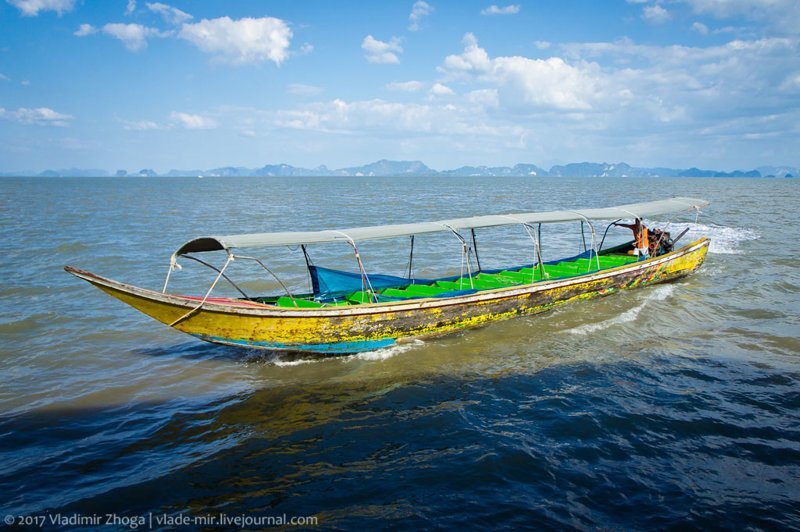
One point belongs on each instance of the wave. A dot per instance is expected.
(724, 240)
(387, 352)
(384, 353)
(659, 293)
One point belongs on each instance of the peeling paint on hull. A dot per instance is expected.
(338, 330)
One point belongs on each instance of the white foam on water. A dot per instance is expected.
(386, 352)
(296, 362)
(659, 293)
(724, 240)
(378, 354)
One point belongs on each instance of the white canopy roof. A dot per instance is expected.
(357, 234)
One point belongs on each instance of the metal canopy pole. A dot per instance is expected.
(366, 285)
(464, 255)
(204, 263)
(475, 249)
(410, 258)
(583, 237)
(308, 266)
(594, 240)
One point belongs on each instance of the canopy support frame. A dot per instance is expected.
(208, 293)
(464, 255)
(594, 241)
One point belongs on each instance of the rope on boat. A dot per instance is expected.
(203, 302)
(173, 265)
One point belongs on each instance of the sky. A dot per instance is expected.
(131, 84)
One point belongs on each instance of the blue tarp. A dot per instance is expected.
(329, 284)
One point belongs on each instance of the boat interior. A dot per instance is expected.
(405, 289)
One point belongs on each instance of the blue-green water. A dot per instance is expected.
(669, 405)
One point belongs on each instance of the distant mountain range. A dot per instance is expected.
(418, 168)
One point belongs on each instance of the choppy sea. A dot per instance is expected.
(664, 407)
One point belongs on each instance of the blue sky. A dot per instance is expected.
(135, 84)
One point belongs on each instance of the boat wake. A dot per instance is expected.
(288, 360)
(724, 240)
(659, 293)
(386, 352)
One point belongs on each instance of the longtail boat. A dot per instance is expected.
(349, 312)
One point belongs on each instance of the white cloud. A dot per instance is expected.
(543, 83)
(171, 15)
(781, 15)
(300, 89)
(131, 7)
(486, 98)
(381, 52)
(84, 30)
(40, 116)
(512, 9)
(140, 125)
(700, 28)
(4, 77)
(381, 118)
(655, 14)
(419, 11)
(405, 86)
(190, 121)
(441, 90)
(31, 8)
(306, 48)
(246, 40)
(133, 36)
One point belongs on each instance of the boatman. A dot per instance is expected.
(641, 242)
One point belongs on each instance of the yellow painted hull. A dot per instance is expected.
(363, 327)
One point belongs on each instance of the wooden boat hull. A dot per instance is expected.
(357, 328)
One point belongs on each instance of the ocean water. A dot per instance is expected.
(667, 406)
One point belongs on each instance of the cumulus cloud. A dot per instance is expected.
(655, 14)
(419, 11)
(171, 15)
(405, 86)
(140, 125)
(300, 89)
(131, 7)
(549, 83)
(84, 30)
(190, 121)
(31, 8)
(381, 52)
(512, 9)
(441, 90)
(133, 36)
(700, 28)
(40, 116)
(246, 40)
